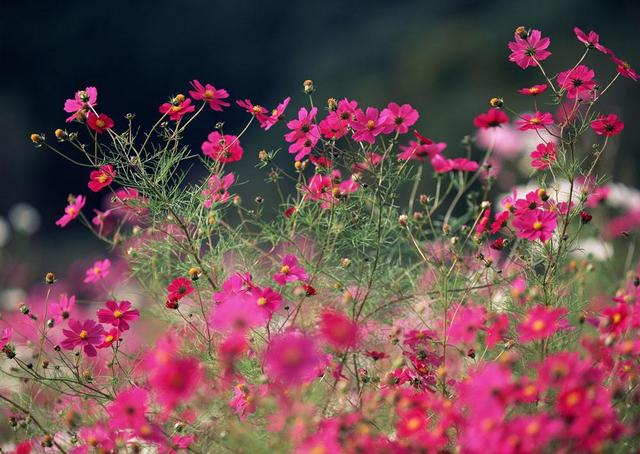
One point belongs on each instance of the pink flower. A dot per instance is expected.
(304, 133)
(543, 156)
(267, 299)
(128, 410)
(290, 271)
(441, 164)
(72, 210)
(61, 310)
(541, 322)
(578, 82)
(419, 150)
(109, 337)
(210, 95)
(464, 165)
(222, 148)
(82, 102)
(217, 189)
(338, 329)
(535, 121)
(292, 358)
(398, 118)
(525, 51)
(592, 40)
(118, 314)
(624, 68)
(607, 126)
(179, 288)
(177, 109)
(6, 337)
(101, 178)
(98, 271)
(534, 90)
(276, 115)
(367, 125)
(535, 224)
(84, 334)
(175, 380)
(491, 119)
(497, 330)
(99, 123)
(615, 318)
(238, 313)
(254, 109)
(336, 124)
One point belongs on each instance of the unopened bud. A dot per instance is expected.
(403, 219)
(496, 102)
(179, 98)
(308, 86)
(194, 273)
(60, 134)
(50, 278)
(332, 104)
(263, 156)
(345, 262)
(37, 139)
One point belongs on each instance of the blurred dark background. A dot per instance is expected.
(447, 58)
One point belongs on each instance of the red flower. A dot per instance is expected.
(607, 126)
(624, 68)
(338, 329)
(526, 51)
(179, 288)
(101, 178)
(491, 119)
(578, 82)
(99, 123)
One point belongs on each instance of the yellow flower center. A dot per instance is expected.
(96, 270)
(534, 120)
(176, 108)
(534, 90)
(256, 109)
(103, 177)
(117, 313)
(208, 94)
(617, 318)
(83, 334)
(100, 123)
(538, 325)
(285, 269)
(261, 301)
(533, 427)
(414, 423)
(572, 398)
(537, 225)
(371, 124)
(108, 338)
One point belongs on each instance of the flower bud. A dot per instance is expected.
(308, 86)
(50, 278)
(403, 219)
(179, 98)
(484, 205)
(521, 31)
(424, 199)
(60, 134)
(332, 104)
(194, 273)
(345, 262)
(263, 156)
(496, 102)
(37, 139)
(86, 375)
(585, 217)
(51, 323)
(542, 193)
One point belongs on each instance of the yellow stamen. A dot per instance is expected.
(83, 334)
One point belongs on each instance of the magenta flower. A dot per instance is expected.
(535, 224)
(577, 82)
(338, 330)
(541, 322)
(464, 165)
(607, 126)
(267, 299)
(276, 115)
(6, 337)
(254, 109)
(624, 68)
(591, 40)
(441, 164)
(491, 119)
(217, 189)
(81, 103)
(222, 148)
(525, 51)
(304, 133)
(210, 95)
(175, 380)
(84, 334)
(101, 178)
(536, 121)
(177, 109)
(128, 409)
(367, 125)
(72, 210)
(98, 271)
(238, 313)
(398, 118)
(99, 123)
(543, 156)
(118, 314)
(61, 310)
(290, 271)
(534, 90)
(292, 358)
(418, 150)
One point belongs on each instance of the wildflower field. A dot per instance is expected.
(361, 313)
